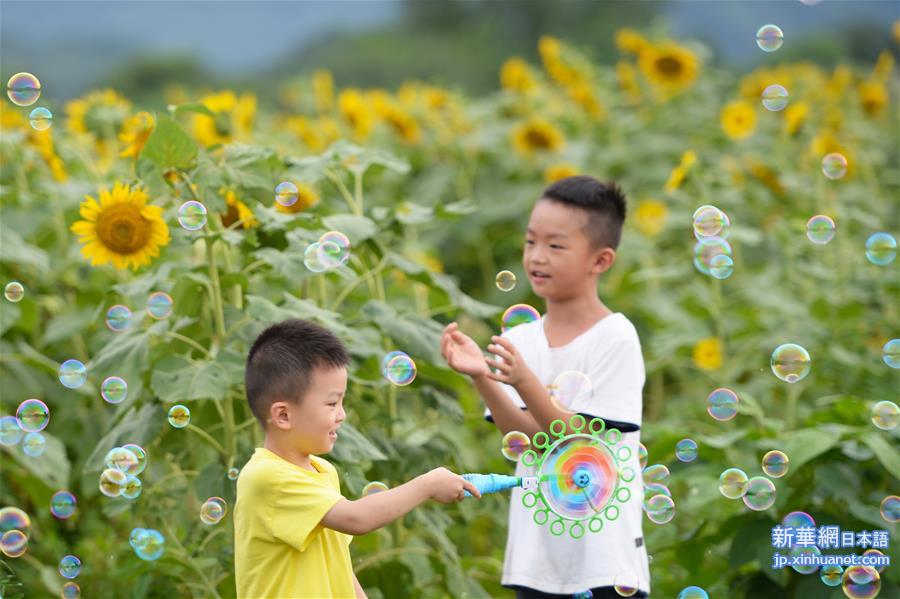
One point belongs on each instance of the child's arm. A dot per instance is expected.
(360, 593)
(369, 513)
(507, 415)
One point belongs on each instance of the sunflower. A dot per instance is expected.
(766, 176)
(753, 84)
(237, 212)
(794, 117)
(317, 135)
(584, 96)
(669, 66)
(896, 30)
(121, 228)
(537, 135)
(516, 76)
(873, 97)
(354, 109)
(100, 113)
(42, 141)
(403, 124)
(738, 119)
(233, 118)
(630, 41)
(562, 170)
(627, 76)
(827, 143)
(650, 217)
(679, 173)
(707, 354)
(883, 66)
(135, 133)
(323, 90)
(307, 197)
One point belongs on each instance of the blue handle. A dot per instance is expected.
(491, 483)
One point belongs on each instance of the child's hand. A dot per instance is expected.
(512, 370)
(445, 486)
(462, 354)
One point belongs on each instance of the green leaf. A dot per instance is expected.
(138, 426)
(52, 467)
(194, 107)
(356, 228)
(887, 454)
(176, 379)
(353, 446)
(17, 251)
(804, 445)
(169, 146)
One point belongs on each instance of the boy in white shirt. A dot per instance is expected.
(572, 236)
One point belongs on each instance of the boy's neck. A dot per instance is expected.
(577, 313)
(288, 453)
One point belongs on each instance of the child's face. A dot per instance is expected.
(311, 423)
(558, 257)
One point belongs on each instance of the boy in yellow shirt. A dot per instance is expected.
(292, 527)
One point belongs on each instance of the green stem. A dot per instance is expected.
(208, 438)
(187, 558)
(369, 274)
(358, 189)
(793, 395)
(345, 193)
(187, 340)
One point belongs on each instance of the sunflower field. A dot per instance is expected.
(142, 249)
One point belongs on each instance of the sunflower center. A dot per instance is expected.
(223, 124)
(122, 229)
(230, 217)
(668, 65)
(537, 138)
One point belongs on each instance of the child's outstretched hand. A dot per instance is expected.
(512, 370)
(445, 486)
(461, 353)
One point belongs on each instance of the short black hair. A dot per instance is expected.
(603, 202)
(281, 362)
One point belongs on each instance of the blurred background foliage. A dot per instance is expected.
(432, 179)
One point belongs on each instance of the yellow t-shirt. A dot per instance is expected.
(280, 547)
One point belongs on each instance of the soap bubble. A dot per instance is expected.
(179, 416)
(861, 582)
(118, 318)
(733, 483)
(141, 455)
(705, 252)
(40, 119)
(13, 518)
(709, 222)
(625, 586)
(400, 370)
(151, 545)
(159, 305)
(775, 98)
(120, 459)
(192, 215)
(642, 456)
(72, 374)
(834, 165)
(891, 355)
(63, 504)
(213, 510)
(803, 553)
(23, 89)
(518, 314)
(505, 280)
(138, 537)
(14, 291)
(70, 590)
(721, 266)
(311, 258)
(657, 473)
(693, 592)
(286, 193)
(890, 508)
(790, 362)
(10, 432)
(885, 415)
(571, 389)
(69, 567)
(760, 494)
(874, 553)
(112, 482)
(660, 509)
(881, 249)
(334, 249)
(775, 463)
(113, 389)
(769, 38)
(233, 473)
(33, 444)
(132, 488)
(33, 415)
(721, 404)
(831, 574)
(686, 450)
(798, 520)
(373, 487)
(13, 543)
(820, 229)
(515, 444)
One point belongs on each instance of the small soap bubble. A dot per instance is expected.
(505, 280)
(891, 354)
(571, 389)
(138, 537)
(213, 510)
(13, 543)
(769, 38)
(132, 488)
(13, 518)
(112, 482)
(10, 431)
(831, 574)
(311, 258)
(775, 98)
(760, 494)
(113, 389)
(33, 445)
(709, 221)
(775, 464)
(820, 229)
(141, 455)
(152, 545)
(70, 590)
(802, 554)
(233, 473)
(797, 520)
(885, 415)
(642, 455)
(653, 489)
(660, 509)
(705, 251)
(69, 567)
(657, 473)
(722, 404)
(192, 215)
(340, 255)
(861, 582)
(63, 504)
(72, 374)
(515, 443)
(373, 487)
(23, 89)
(179, 416)
(721, 266)
(40, 119)
(686, 450)
(33, 415)
(516, 315)
(159, 305)
(400, 370)
(625, 586)
(120, 459)
(733, 483)
(14, 291)
(890, 508)
(693, 592)
(118, 318)
(875, 553)
(790, 362)
(881, 249)
(329, 254)
(834, 165)
(286, 193)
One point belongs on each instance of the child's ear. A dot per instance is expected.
(603, 260)
(280, 415)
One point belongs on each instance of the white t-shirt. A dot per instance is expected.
(609, 353)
